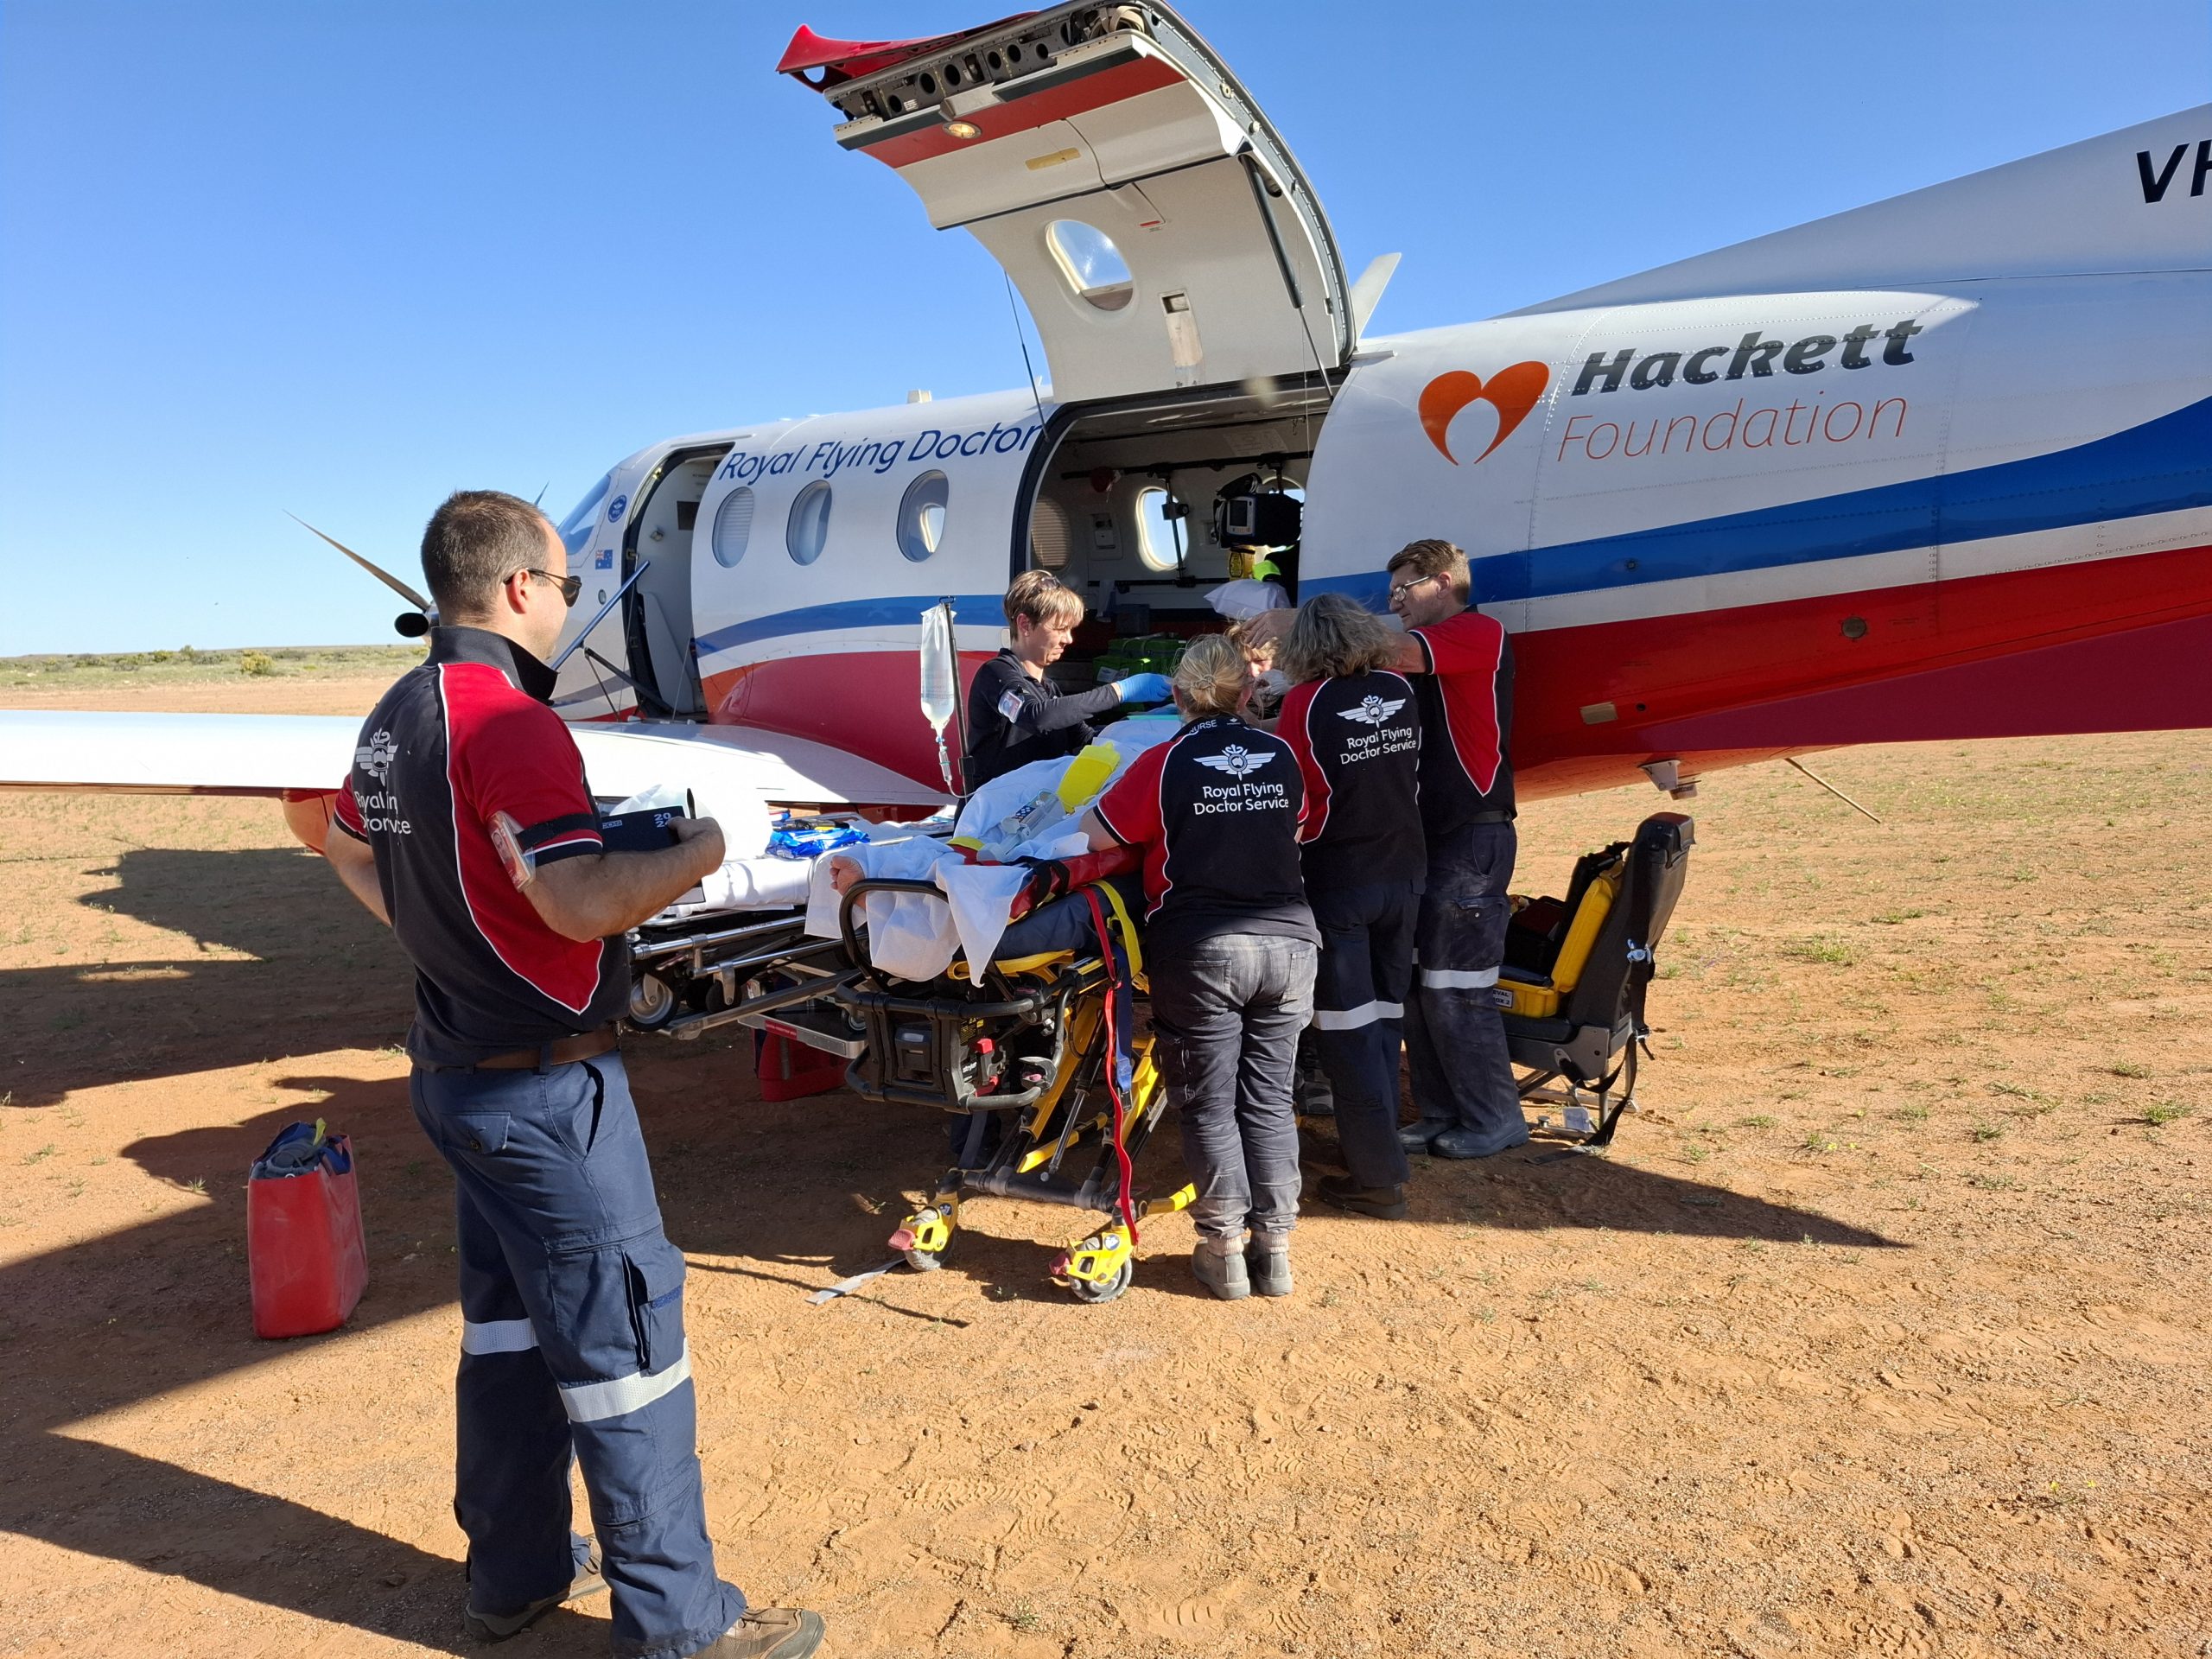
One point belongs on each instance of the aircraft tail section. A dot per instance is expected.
(2137, 200)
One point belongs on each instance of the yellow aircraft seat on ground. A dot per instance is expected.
(1572, 988)
(1534, 995)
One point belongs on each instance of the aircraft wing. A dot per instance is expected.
(269, 755)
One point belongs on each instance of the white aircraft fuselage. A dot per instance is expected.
(1939, 467)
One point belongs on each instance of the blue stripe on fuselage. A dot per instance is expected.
(898, 611)
(2162, 466)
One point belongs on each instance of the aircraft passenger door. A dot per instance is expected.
(656, 616)
(1159, 228)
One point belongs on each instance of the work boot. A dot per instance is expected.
(1267, 1263)
(1417, 1137)
(1219, 1264)
(497, 1627)
(767, 1633)
(1383, 1203)
(1466, 1143)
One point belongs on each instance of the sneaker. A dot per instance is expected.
(1417, 1137)
(1221, 1272)
(1267, 1263)
(497, 1627)
(1383, 1203)
(767, 1633)
(1466, 1143)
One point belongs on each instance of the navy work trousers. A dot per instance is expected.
(1455, 1034)
(572, 1343)
(1226, 1012)
(1359, 998)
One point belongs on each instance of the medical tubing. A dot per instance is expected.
(1126, 1169)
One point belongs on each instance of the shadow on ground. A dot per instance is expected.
(801, 1192)
(321, 974)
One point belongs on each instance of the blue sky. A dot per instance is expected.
(340, 258)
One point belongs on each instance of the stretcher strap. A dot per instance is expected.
(1128, 930)
(1125, 1170)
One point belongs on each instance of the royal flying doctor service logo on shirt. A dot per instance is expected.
(1371, 710)
(375, 756)
(1237, 760)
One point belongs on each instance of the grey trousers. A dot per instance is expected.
(1227, 1012)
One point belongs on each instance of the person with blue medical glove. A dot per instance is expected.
(1016, 714)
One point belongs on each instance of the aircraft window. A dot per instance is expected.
(921, 517)
(583, 518)
(1049, 535)
(807, 532)
(1158, 536)
(733, 525)
(1090, 263)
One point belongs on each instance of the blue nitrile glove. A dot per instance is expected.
(1144, 688)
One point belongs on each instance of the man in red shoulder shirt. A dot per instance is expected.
(466, 824)
(1462, 664)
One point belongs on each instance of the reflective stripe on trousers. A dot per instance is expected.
(1359, 992)
(1455, 1044)
(1352, 1019)
(497, 1337)
(573, 1349)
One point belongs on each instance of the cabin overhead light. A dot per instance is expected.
(964, 129)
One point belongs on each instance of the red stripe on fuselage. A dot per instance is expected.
(2110, 645)
(866, 702)
(1659, 670)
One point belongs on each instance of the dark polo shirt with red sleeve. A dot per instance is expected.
(462, 739)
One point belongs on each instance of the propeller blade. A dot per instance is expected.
(381, 574)
(539, 499)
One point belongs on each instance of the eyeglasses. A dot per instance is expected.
(1399, 590)
(569, 586)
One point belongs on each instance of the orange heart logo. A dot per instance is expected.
(1512, 391)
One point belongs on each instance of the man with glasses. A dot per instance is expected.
(467, 826)
(1462, 664)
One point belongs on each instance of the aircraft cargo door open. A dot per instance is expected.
(1160, 230)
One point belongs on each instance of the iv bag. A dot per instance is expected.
(940, 686)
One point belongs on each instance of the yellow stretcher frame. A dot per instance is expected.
(1101, 1264)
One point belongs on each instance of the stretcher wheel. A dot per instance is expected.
(1105, 1290)
(652, 1002)
(926, 1237)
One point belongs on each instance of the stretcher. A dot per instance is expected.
(1572, 989)
(1022, 1051)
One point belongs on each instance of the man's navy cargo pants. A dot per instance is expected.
(572, 1342)
(1462, 1072)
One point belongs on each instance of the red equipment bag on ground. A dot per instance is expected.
(305, 1245)
(789, 1070)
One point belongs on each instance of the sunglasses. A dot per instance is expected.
(569, 586)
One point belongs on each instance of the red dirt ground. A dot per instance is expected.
(1883, 1329)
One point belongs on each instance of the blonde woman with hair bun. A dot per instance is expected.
(1214, 814)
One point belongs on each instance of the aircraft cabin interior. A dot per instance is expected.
(1145, 509)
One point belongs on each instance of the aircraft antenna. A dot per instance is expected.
(1022, 340)
(1828, 786)
(592, 658)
